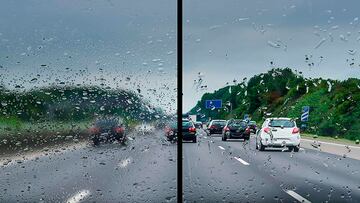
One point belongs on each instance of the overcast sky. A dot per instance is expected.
(121, 43)
(233, 39)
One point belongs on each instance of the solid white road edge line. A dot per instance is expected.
(242, 161)
(297, 196)
(329, 143)
(12, 160)
(221, 147)
(78, 197)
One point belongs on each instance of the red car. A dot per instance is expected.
(171, 131)
(109, 129)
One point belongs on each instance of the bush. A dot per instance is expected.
(328, 128)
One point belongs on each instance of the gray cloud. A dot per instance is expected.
(124, 38)
(229, 40)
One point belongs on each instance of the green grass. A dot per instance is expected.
(13, 127)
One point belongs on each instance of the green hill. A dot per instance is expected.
(73, 104)
(334, 105)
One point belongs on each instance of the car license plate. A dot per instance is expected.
(237, 131)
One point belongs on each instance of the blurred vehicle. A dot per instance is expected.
(188, 130)
(216, 127)
(236, 129)
(108, 129)
(159, 125)
(252, 126)
(278, 132)
(171, 131)
(198, 125)
(145, 128)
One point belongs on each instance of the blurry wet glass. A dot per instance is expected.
(290, 70)
(83, 88)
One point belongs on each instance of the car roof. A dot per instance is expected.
(241, 120)
(279, 118)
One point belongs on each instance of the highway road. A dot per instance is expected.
(145, 170)
(234, 171)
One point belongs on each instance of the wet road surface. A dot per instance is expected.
(234, 171)
(142, 171)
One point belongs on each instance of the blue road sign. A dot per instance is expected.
(305, 113)
(210, 104)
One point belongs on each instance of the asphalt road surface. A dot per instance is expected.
(234, 171)
(142, 171)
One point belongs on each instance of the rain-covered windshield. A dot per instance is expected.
(86, 88)
(295, 62)
(187, 124)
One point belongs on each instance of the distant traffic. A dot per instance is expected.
(273, 133)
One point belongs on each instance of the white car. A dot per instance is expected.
(278, 132)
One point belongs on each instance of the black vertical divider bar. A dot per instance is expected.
(179, 98)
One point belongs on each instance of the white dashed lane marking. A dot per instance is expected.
(78, 197)
(124, 163)
(242, 161)
(297, 196)
(221, 147)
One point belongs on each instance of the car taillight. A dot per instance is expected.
(295, 130)
(247, 130)
(119, 129)
(226, 129)
(192, 129)
(94, 130)
(267, 130)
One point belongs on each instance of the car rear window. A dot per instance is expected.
(237, 123)
(282, 123)
(187, 124)
(218, 123)
(106, 123)
(173, 125)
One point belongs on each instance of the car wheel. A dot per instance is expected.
(261, 147)
(291, 148)
(96, 140)
(225, 138)
(118, 138)
(296, 148)
(256, 143)
(123, 140)
(194, 140)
